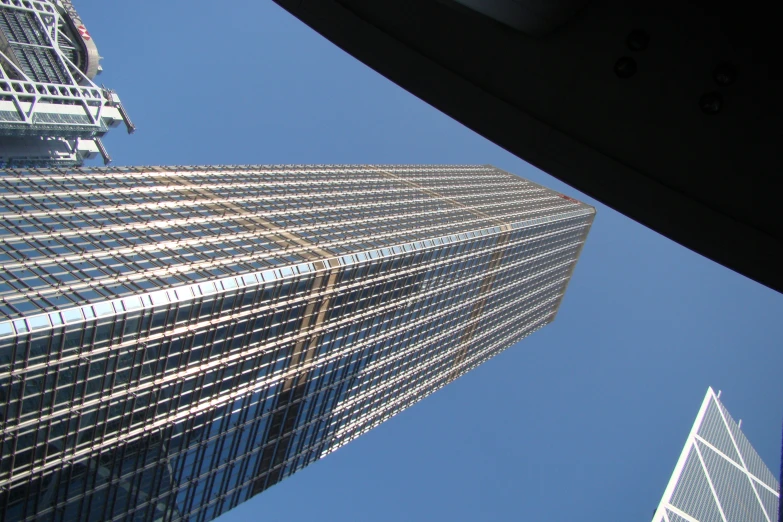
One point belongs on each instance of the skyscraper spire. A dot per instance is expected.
(719, 476)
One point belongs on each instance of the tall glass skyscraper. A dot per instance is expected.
(719, 476)
(51, 111)
(175, 340)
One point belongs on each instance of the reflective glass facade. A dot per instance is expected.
(719, 476)
(175, 340)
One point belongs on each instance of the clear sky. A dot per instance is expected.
(585, 419)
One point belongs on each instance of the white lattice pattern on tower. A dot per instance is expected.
(719, 476)
(49, 102)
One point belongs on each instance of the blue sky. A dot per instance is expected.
(585, 419)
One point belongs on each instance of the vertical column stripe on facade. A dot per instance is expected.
(175, 340)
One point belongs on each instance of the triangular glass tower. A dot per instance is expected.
(719, 476)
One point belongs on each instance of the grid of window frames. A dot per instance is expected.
(175, 340)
